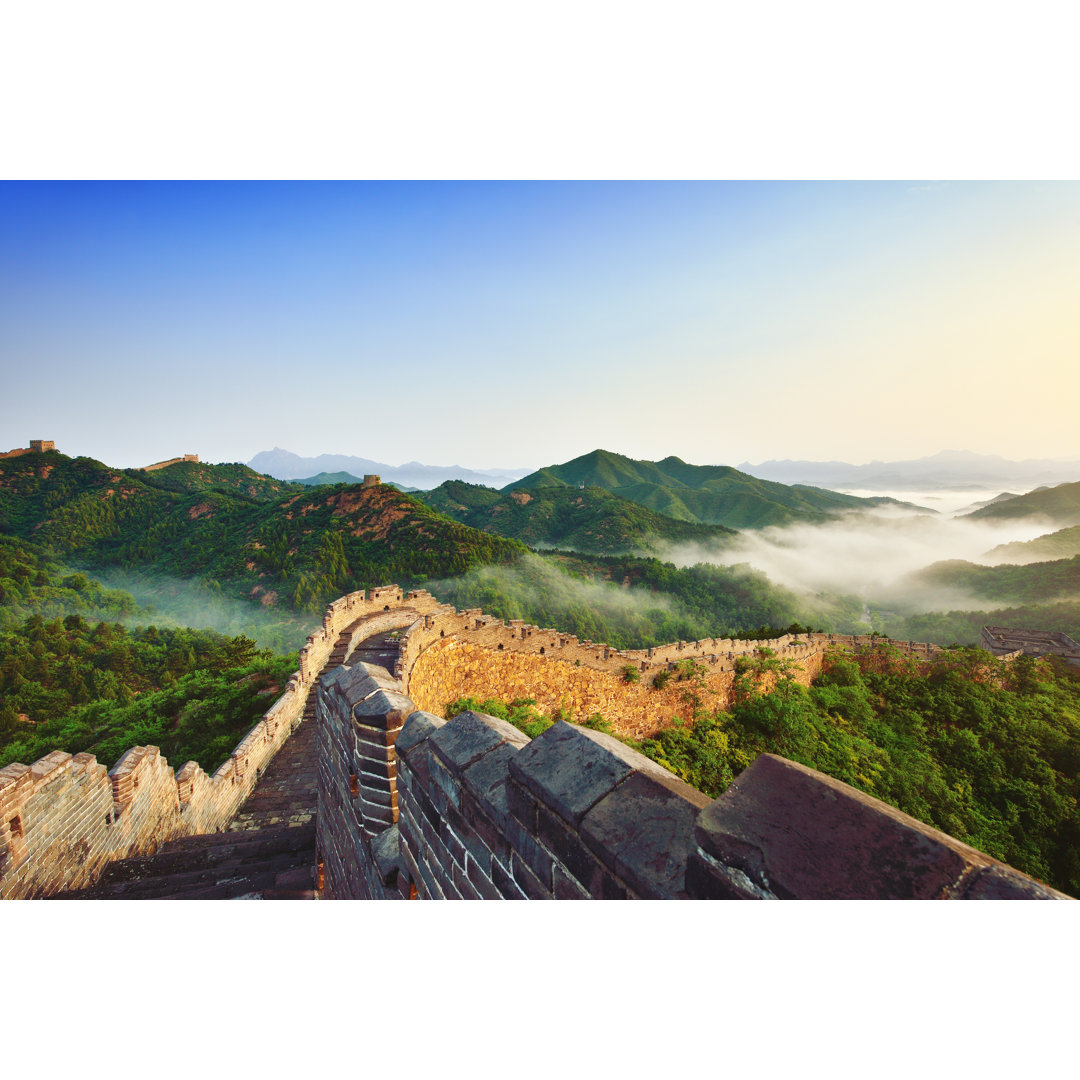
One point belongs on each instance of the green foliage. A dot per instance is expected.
(631, 674)
(520, 713)
(31, 582)
(239, 534)
(625, 601)
(706, 494)
(587, 520)
(987, 752)
(102, 688)
(661, 679)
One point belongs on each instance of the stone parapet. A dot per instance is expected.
(63, 819)
(784, 831)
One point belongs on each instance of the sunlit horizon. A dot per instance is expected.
(520, 324)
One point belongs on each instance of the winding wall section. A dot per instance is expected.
(63, 819)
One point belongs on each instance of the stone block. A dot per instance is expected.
(507, 887)
(482, 883)
(445, 781)
(418, 727)
(471, 735)
(1005, 883)
(794, 833)
(571, 768)
(486, 831)
(565, 844)
(565, 887)
(385, 709)
(529, 883)
(386, 852)
(522, 805)
(644, 832)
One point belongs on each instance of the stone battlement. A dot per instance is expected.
(1003, 641)
(171, 461)
(64, 818)
(37, 446)
(403, 795)
(412, 806)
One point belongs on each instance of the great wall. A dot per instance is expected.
(413, 806)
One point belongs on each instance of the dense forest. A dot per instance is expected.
(986, 751)
(708, 494)
(590, 519)
(73, 685)
(628, 602)
(72, 677)
(300, 549)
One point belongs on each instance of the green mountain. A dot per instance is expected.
(299, 549)
(1063, 544)
(705, 494)
(233, 479)
(1004, 584)
(590, 520)
(1060, 504)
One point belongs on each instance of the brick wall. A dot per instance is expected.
(482, 812)
(64, 818)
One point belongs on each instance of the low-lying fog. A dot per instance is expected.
(940, 500)
(865, 553)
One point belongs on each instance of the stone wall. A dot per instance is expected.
(450, 669)
(171, 461)
(1008, 643)
(64, 818)
(37, 446)
(482, 812)
(451, 654)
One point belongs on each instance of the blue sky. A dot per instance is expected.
(517, 324)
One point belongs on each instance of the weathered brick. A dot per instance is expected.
(570, 768)
(418, 727)
(566, 887)
(531, 885)
(507, 887)
(567, 847)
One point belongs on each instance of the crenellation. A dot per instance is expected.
(414, 806)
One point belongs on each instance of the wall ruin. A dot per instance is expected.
(64, 818)
(410, 805)
(37, 446)
(480, 811)
(171, 461)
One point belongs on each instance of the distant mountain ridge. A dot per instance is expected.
(285, 465)
(944, 470)
(706, 494)
(1059, 504)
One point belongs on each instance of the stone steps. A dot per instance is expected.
(268, 851)
(269, 863)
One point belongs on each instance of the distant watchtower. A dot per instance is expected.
(39, 446)
(370, 480)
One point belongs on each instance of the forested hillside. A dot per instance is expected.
(300, 549)
(590, 520)
(629, 602)
(707, 494)
(233, 479)
(1063, 544)
(1059, 504)
(987, 752)
(73, 685)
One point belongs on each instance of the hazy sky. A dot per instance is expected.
(514, 324)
